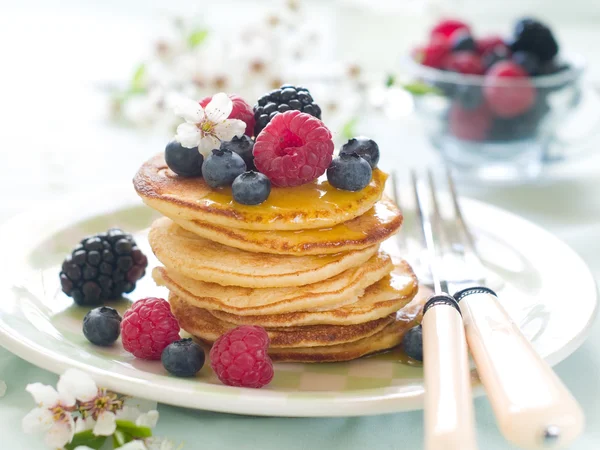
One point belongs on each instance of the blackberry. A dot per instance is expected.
(102, 267)
(533, 36)
(286, 98)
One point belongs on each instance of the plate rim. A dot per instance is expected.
(272, 403)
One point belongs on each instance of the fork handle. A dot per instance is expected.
(533, 407)
(449, 422)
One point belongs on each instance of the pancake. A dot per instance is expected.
(371, 228)
(389, 337)
(201, 259)
(200, 323)
(312, 205)
(385, 297)
(331, 293)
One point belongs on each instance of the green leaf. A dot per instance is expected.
(390, 80)
(138, 79)
(86, 438)
(348, 130)
(133, 430)
(197, 37)
(419, 88)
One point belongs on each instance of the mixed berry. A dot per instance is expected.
(183, 358)
(148, 327)
(499, 88)
(412, 343)
(239, 357)
(102, 267)
(285, 144)
(102, 326)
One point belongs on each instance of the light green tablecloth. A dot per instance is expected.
(214, 431)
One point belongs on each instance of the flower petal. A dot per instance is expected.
(189, 110)
(106, 424)
(229, 128)
(133, 445)
(188, 135)
(83, 447)
(219, 108)
(207, 144)
(37, 420)
(82, 424)
(43, 395)
(128, 413)
(148, 419)
(75, 384)
(60, 434)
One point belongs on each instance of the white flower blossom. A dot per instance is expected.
(53, 414)
(104, 422)
(205, 128)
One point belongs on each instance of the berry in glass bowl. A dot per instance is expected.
(491, 103)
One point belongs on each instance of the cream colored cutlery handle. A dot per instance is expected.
(533, 408)
(449, 423)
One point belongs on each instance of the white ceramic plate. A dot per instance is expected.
(549, 291)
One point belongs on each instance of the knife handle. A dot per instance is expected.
(449, 420)
(533, 407)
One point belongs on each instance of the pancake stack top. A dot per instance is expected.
(305, 264)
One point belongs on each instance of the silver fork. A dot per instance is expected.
(533, 408)
(449, 419)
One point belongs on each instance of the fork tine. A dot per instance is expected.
(436, 221)
(401, 237)
(427, 233)
(470, 252)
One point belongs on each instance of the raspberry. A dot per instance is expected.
(446, 27)
(293, 149)
(464, 62)
(241, 110)
(239, 357)
(433, 55)
(507, 90)
(148, 327)
(488, 43)
(470, 125)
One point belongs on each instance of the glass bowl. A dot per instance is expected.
(495, 129)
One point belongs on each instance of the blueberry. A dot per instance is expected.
(532, 36)
(186, 162)
(496, 54)
(412, 342)
(243, 146)
(463, 42)
(251, 188)
(102, 326)
(528, 61)
(365, 147)
(183, 358)
(349, 172)
(221, 167)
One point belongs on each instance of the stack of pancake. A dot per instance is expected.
(306, 265)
